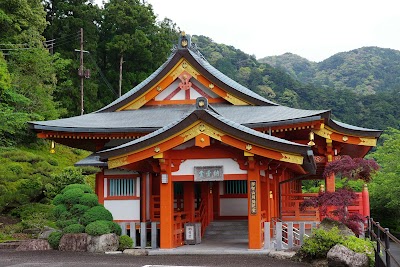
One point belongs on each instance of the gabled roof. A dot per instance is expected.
(208, 71)
(225, 125)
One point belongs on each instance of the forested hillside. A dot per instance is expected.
(366, 70)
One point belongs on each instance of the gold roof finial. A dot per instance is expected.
(183, 33)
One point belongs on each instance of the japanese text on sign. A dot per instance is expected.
(208, 173)
(253, 197)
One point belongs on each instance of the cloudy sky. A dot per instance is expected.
(314, 29)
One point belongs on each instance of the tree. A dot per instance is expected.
(385, 188)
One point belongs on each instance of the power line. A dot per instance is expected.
(102, 76)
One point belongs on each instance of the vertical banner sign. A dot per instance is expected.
(253, 197)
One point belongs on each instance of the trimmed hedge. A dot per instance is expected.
(89, 200)
(96, 214)
(54, 239)
(78, 210)
(115, 228)
(64, 223)
(98, 228)
(84, 187)
(75, 228)
(71, 197)
(125, 242)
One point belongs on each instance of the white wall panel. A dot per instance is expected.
(230, 166)
(123, 209)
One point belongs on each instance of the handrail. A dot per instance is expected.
(382, 245)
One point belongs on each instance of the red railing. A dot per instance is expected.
(180, 218)
(200, 215)
(155, 208)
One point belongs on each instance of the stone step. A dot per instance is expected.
(227, 230)
(11, 245)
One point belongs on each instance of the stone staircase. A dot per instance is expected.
(227, 230)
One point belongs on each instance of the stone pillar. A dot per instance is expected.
(254, 205)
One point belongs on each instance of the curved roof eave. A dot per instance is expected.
(353, 130)
(245, 133)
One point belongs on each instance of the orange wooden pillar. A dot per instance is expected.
(99, 186)
(166, 206)
(188, 199)
(330, 180)
(365, 201)
(254, 205)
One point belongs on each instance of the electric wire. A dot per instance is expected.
(102, 75)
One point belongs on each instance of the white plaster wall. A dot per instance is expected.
(181, 95)
(233, 207)
(123, 209)
(229, 165)
(168, 90)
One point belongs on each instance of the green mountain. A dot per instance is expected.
(366, 70)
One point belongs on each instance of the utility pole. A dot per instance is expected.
(121, 61)
(81, 72)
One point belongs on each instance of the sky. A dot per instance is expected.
(313, 29)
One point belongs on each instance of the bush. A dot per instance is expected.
(319, 243)
(115, 228)
(84, 187)
(361, 246)
(64, 223)
(72, 196)
(60, 211)
(89, 200)
(125, 242)
(95, 214)
(59, 199)
(98, 228)
(75, 228)
(54, 239)
(25, 212)
(78, 210)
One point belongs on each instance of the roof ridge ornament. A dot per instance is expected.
(185, 41)
(201, 103)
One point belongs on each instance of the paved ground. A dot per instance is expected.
(75, 259)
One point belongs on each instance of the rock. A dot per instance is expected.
(36, 244)
(341, 256)
(46, 232)
(327, 224)
(74, 242)
(319, 263)
(136, 252)
(282, 254)
(103, 243)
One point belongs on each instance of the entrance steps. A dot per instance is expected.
(227, 230)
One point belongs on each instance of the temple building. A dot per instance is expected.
(189, 144)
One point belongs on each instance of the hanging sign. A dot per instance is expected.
(253, 197)
(208, 173)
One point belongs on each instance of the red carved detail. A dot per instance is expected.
(185, 83)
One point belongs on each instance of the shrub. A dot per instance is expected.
(54, 239)
(60, 212)
(75, 228)
(95, 214)
(72, 196)
(78, 210)
(89, 200)
(319, 243)
(125, 242)
(115, 228)
(84, 187)
(361, 246)
(64, 223)
(59, 199)
(98, 228)
(25, 212)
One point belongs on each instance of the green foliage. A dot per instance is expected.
(125, 242)
(27, 211)
(96, 213)
(54, 239)
(84, 187)
(89, 200)
(74, 229)
(68, 176)
(60, 211)
(320, 242)
(114, 228)
(98, 228)
(78, 209)
(361, 246)
(65, 223)
(71, 197)
(385, 187)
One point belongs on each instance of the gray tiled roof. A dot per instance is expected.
(154, 117)
(228, 81)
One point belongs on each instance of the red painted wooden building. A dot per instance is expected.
(189, 144)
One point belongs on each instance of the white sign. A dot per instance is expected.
(189, 232)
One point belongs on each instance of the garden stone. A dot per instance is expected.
(46, 232)
(74, 242)
(103, 243)
(327, 224)
(36, 244)
(341, 256)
